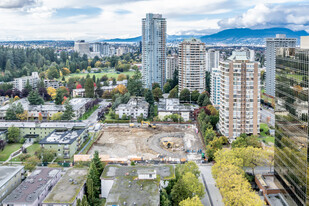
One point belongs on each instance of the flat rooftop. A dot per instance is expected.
(67, 137)
(129, 189)
(30, 189)
(6, 124)
(7, 172)
(68, 187)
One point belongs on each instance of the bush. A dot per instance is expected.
(22, 140)
(116, 121)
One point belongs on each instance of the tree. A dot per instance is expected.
(22, 116)
(31, 163)
(164, 199)
(84, 201)
(121, 77)
(68, 113)
(28, 86)
(56, 116)
(200, 99)
(97, 162)
(195, 201)
(149, 97)
(99, 91)
(187, 167)
(210, 134)
(65, 71)
(90, 191)
(155, 85)
(245, 141)
(13, 134)
(40, 117)
(52, 92)
(52, 73)
(59, 97)
(187, 187)
(89, 88)
(195, 95)
(95, 176)
(174, 92)
(185, 95)
(157, 93)
(135, 85)
(46, 155)
(167, 87)
(121, 89)
(34, 98)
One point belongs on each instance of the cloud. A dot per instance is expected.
(14, 4)
(270, 15)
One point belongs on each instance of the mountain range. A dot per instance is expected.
(238, 36)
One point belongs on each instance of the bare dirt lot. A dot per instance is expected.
(125, 142)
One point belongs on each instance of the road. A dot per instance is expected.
(93, 117)
(214, 193)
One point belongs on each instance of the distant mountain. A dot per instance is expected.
(249, 36)
(239, 36)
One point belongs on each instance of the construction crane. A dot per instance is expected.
(149, 124)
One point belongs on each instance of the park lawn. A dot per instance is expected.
(99, 75)
(264, 136)
(30, 150)
(88, 113)
(9, 149)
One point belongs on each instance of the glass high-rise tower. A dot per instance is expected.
(291, 111)
(153, 50)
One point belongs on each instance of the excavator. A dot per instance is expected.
(149, 124)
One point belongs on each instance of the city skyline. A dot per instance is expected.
(73, 20)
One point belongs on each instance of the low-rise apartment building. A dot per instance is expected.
(69, 189)
(34, 189)
(136, 107)
(20, 83)
(10, 178)
(65, 143)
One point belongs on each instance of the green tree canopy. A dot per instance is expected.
(34, 98)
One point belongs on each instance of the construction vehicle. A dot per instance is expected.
(131, 125)
(168, 144)
(149, 124)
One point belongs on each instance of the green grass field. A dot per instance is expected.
(30, 150)
(99, 75)
(9, 149)
(263, 136)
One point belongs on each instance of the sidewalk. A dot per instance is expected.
(210, 185)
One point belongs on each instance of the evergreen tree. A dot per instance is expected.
(89, 88)
(28, 86)
(149, 97)
(99, 90)
(84, 201)
(59, 97)
(68, 113)
(41, 84)
(185, 95)
(93, 78)
(34, 98)
(78, 202)
(94, 175)
(97, 161)
(90, 191)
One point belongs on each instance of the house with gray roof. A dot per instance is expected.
(34, 189)
(10, 178)
(65, 143)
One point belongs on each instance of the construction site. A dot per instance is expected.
(149, 142)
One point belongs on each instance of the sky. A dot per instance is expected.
(104, 19)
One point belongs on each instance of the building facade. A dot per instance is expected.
(154, 50)
(271, 45)
(20, 83)
(291, 112)
(192, 65)
(215, 86)
(82, 47)
(10, 178)
(134, 108)
(212, 59)
(34, 189)
(171, 66)
(240, 96)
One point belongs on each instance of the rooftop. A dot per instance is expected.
(129, 189)
(6, 124)
(172, 104)
(7, 172)
(68, 187)
(66, 137)
(136, 102)
(30, 189)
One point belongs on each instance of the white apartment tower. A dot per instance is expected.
(239, 97)
(171, 66)
(82, 47)
(20, 83)
(212, 59)
(271, 45)
(153, 50)
(215, 86)
(192, 65)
